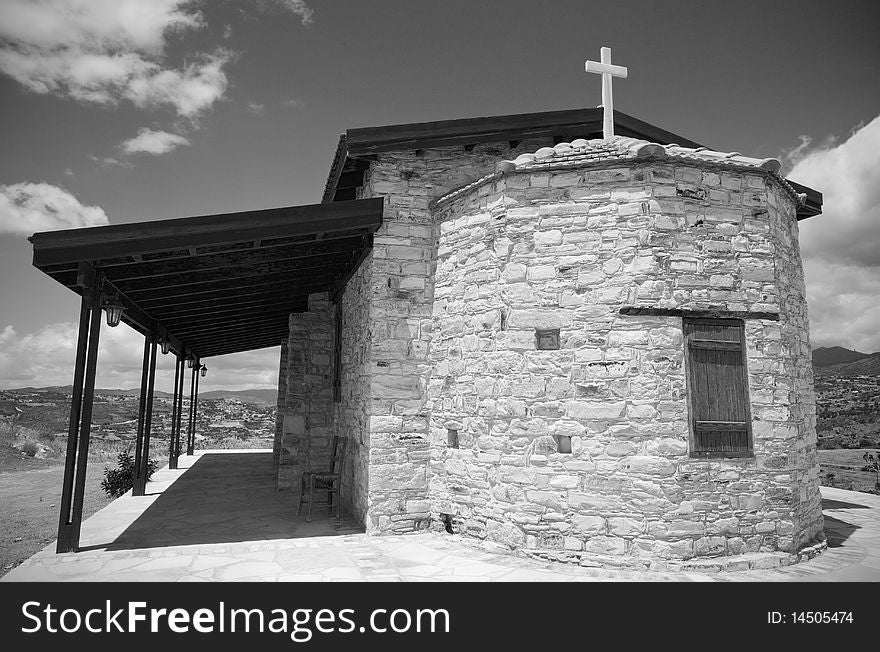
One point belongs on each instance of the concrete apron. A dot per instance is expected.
(219, 518)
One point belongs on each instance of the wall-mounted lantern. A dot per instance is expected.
(190, 361)
(203, 371)
(165, 343)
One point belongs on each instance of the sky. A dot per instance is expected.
(116, 111)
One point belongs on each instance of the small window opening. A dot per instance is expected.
(547, 339)
(452, 438)
(563, 444)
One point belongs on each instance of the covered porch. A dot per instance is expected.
(194, 287)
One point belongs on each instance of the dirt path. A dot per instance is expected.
(29, 508)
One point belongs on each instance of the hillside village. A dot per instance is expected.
(223, 422)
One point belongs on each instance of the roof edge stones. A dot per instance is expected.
(624, 147)
(582, 152)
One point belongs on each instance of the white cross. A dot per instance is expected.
(607, 71)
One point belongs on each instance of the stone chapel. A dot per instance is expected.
(586, 349)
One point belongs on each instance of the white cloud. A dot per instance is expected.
(293, 103)
(300, 8)
(105, 51)
(29, 207)
(46, 358)
(841, 247)
(109, 161)
(256, 108)
(152, 142)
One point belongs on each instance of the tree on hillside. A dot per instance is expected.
(873, 464)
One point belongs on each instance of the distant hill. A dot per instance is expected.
(830, 355)
(867, 366)
(258, 396)
(67, 389)
(261, 396)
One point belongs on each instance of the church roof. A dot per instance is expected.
(357, 147)
(622, 148)
(577, 133)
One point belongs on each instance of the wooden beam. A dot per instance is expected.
(241, 315)
(338, 286)
(255, 325)
(203, 339)
(302, 287)
(238, 346)
(238, 259)
(249, 291)
(319, 265)
(241, 344)
(274, 338)
(114, 241)
(213, 309)
(698, 314)
(320, 278)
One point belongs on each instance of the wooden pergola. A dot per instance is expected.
(196, 287)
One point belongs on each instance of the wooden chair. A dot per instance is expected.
(324, 481)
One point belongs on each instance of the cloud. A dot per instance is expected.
(300, 8)
(109, 161)
(106, 51)
(256, 108)
(152, 142)
(29, 207)
(46, 358)
(840, 247)
(293, 104)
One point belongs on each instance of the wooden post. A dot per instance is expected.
(196, 405)
(65, 541)
(177, 429)
(79, 429)
(142, 406)
(140, 478)
(192, 408)
(175, 406)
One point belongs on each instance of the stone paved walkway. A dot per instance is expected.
(218, 518)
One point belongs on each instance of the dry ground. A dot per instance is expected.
(31, 496)
(846, 465)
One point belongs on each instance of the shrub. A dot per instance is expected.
(873, 464)
(119, 480)
(30, 448)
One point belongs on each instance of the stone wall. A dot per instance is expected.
(351, 414)
(307, 420)
(794, 389)
(403, 262)
(566, 250)
(280, 407)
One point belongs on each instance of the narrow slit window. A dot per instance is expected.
(452, 438)
(337, 354)
(718, 388)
